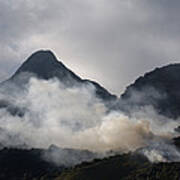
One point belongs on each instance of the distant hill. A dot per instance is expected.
(159, 88)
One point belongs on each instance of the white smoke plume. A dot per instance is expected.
(75, 118)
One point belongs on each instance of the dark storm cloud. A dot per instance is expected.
(112, 42)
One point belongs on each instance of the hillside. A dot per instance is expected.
(124, 167)
(158, 88)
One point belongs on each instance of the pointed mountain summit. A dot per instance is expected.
(44, 65)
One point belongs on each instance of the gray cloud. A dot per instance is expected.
(112, 42)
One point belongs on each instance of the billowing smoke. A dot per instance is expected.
(73, 117)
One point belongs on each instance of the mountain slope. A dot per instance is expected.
(159, 88)
(44, 65)
(26, 164)
(125, 167)
(17, 164)
(129, 166)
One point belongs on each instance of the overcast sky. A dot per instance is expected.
(110, 41)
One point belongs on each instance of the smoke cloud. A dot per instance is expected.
(73, 117)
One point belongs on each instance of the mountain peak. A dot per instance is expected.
(42, 55)
(45, 65)
(37, 62)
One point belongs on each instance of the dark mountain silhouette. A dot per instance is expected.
(44, 65)
(26, 164)
(159, 88)
(17, 164)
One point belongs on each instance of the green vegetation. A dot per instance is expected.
(117, 167)
(124, 167)
(16, 164)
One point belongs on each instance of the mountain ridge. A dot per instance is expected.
(158, 88)
(44, 65)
